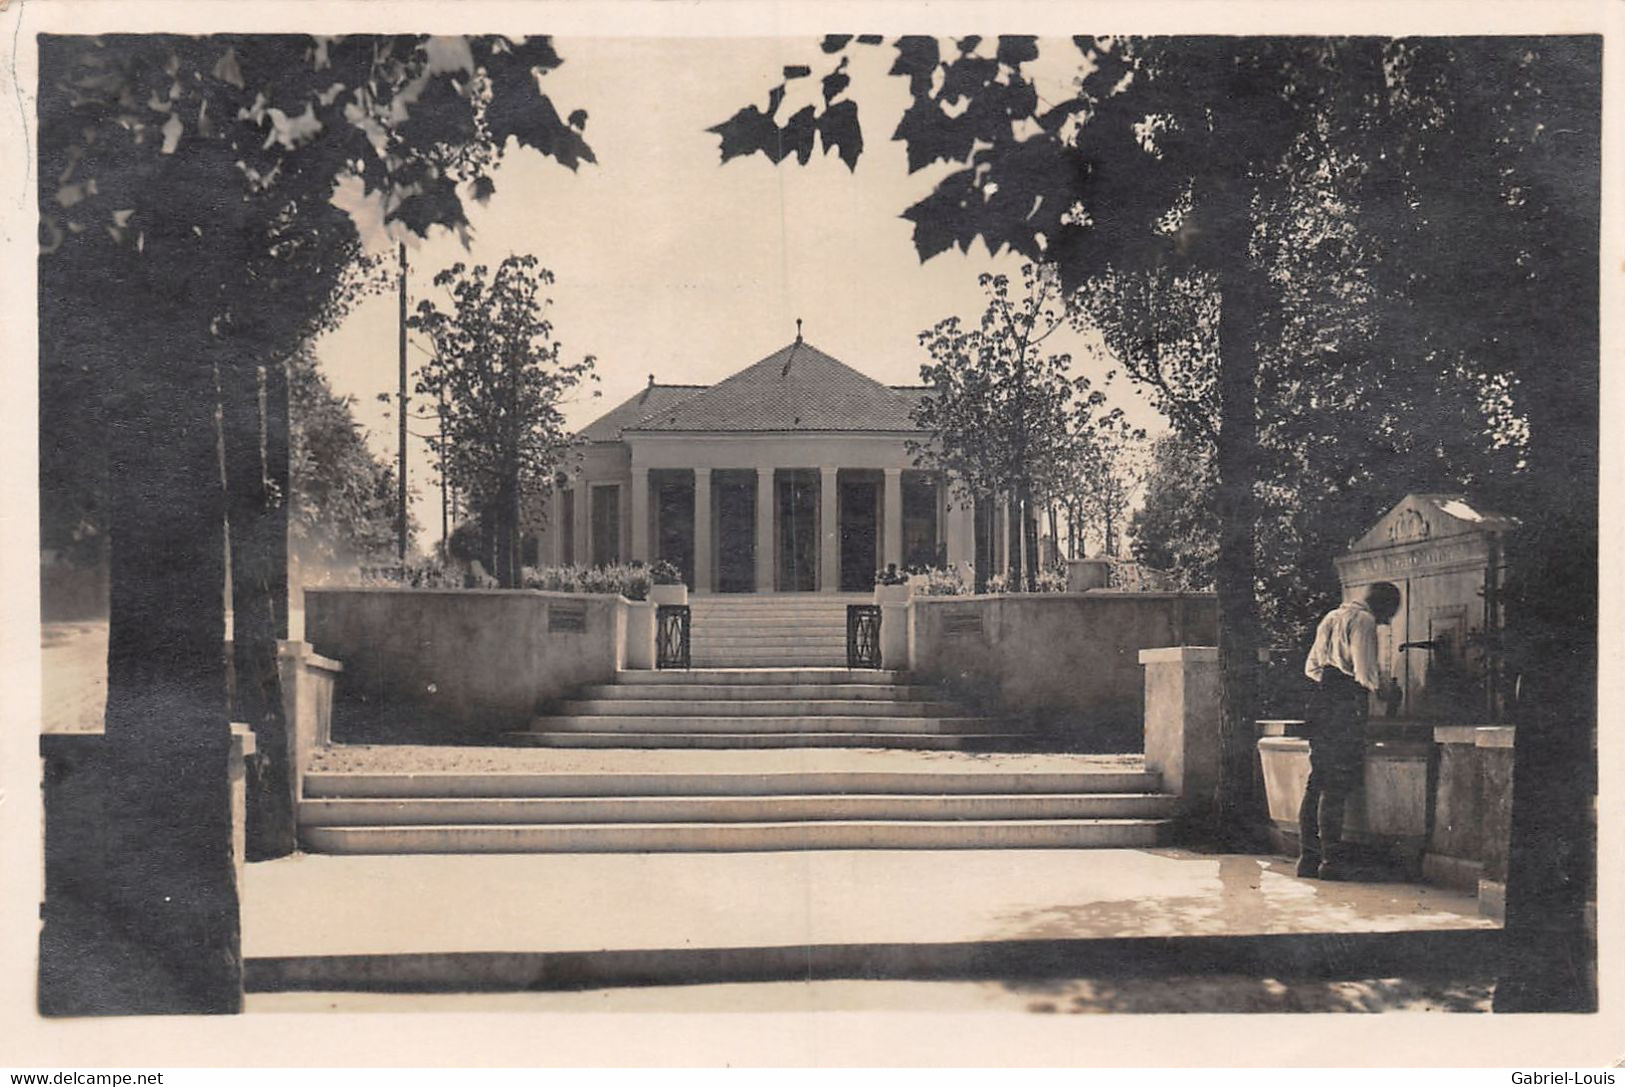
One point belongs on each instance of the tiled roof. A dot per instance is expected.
(796, 388)
(912, 394)
(653, 398)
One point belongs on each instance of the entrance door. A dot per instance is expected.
(735, 499)
(606, 525)
(674, 521)
(859, 530)
(798, 533)
(920, 543)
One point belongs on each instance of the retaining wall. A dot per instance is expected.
(434, 664)
(1065, 664)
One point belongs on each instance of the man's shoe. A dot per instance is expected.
(1309, 866)
(1335, 872)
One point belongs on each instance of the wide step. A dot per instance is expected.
(780, 722)
(756, 707)
(762, 776)
(905, 741)
(769, 676)
(418, 811)
(624, 693)
(736, 837)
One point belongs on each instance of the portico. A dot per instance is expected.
(793, 475)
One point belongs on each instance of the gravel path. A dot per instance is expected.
(413, 758)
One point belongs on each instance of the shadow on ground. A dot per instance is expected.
(1227, 993)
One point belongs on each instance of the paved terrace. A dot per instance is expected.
(560, 921)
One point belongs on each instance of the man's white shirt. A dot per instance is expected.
(1346, 640)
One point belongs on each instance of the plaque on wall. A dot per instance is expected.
(567, 619)
(962, 624)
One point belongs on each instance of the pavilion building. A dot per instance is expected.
(793, 475)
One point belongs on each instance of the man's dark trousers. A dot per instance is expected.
(1337, 716)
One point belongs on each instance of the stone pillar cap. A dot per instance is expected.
(1175, 653)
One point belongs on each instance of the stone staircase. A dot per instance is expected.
(770, 630)
(745, 759)
(760, 708)
(751, 801)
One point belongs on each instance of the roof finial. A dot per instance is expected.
(798, 330)
(651, 381)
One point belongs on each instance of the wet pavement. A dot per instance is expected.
(314, 905)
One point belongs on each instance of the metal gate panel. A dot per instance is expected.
(672, 625)
(863, 635)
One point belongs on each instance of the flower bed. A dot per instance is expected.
(629, 580)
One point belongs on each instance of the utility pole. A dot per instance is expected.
(400, 481)
(445, 486)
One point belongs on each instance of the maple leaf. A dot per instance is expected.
(839, 129)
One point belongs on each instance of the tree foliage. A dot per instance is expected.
(342, 498)
(501, 379)
(999, 406)
(1387, 248)
(1176, 529)
(1100, 476)
(190, 241)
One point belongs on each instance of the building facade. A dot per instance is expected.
(793, 475)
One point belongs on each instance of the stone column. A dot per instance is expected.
(703, 551)
(829, 533)
(764, 531)
(640, 514)
(583, 521)
(959, 529)
(556, 528)
(892, 534)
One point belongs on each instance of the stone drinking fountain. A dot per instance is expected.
(1437, 790)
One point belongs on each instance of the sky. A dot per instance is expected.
(670, 263)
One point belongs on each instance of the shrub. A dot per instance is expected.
(1052, 580)
(630, 581)
(428, 573)
(891, 576)
(939, 581)
(665, 572)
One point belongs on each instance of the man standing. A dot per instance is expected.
(1343, 665)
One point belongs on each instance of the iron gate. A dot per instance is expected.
(671, 635)
(863, 635)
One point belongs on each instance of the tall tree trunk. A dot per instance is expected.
(982, 541)
(1238, 808)
(1550, 948)
(515, 518)
(504, 529)
(1029, 534)
(258, 526)
(1012, 544)
(278, 477)
(488, 537)
(147, 922)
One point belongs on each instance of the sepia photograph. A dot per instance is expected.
(561, 518)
